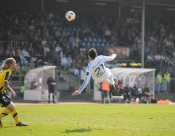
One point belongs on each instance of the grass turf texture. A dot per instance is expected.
(92, 120)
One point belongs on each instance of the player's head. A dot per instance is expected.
(92, 54)
(51, 75)
(9, 63)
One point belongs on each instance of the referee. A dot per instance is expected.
(51, 87)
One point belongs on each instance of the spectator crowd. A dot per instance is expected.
(53, 40)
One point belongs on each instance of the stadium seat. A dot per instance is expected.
(60, 28)
(84, 44)
(25, 62)
(99, 40)
(65, 28)
(79, 29)
(74, 29)
(90, 39)
(107, 44)
(85, 39)
(88, 44)
(111, 44)
(68, 33)
(55, 28)
(69, 29)
(54, 42)
(93, 44)
(98, 44)
(102, 44)
(2, 61)
(104, 40)
(50, 42)
(94, 39)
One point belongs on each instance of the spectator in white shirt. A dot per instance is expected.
(107, 34)
(168, 42)
(64, 62)
(44, 42)
(157, 57)
(25, 54)
(58, 48)
(149, 58)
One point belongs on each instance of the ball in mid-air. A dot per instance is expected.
(70, 16)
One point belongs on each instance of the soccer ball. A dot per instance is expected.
(70, 15)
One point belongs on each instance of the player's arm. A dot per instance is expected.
(7, 86)
(86, 81)
(109, 58)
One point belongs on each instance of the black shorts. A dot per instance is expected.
(51, 91)
(4, 100)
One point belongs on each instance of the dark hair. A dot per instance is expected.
(92, 53)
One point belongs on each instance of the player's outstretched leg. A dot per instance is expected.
(113, 88)
(111, 81)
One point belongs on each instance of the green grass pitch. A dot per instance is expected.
(92, 120)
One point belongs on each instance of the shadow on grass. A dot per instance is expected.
(1, 127)
(77, 130)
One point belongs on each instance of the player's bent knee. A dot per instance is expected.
(11, 106)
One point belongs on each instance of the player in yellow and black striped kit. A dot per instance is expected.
(8, 67)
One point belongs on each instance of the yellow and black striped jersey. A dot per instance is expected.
(5, 76)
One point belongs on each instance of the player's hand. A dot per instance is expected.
(53, 83)
(13, 94)
(75, 93)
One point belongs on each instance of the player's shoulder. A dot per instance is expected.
(5, 71)
(100, 56)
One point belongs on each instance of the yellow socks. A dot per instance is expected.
(5, 113)
(15, 116)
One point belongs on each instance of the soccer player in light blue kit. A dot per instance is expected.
(97, 69)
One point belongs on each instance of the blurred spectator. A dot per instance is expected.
(127, 91)
(17, 58)
(60, 76)
(104, 88)
(167, 77)
(64, 62)
(7, 52)
(45, 59)
(135, 92)
(34, 84)
(25, 54)
(1, 52)
(146, 92)
(159, 81)
(107, 34)
(31, 64)
(57, 48)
